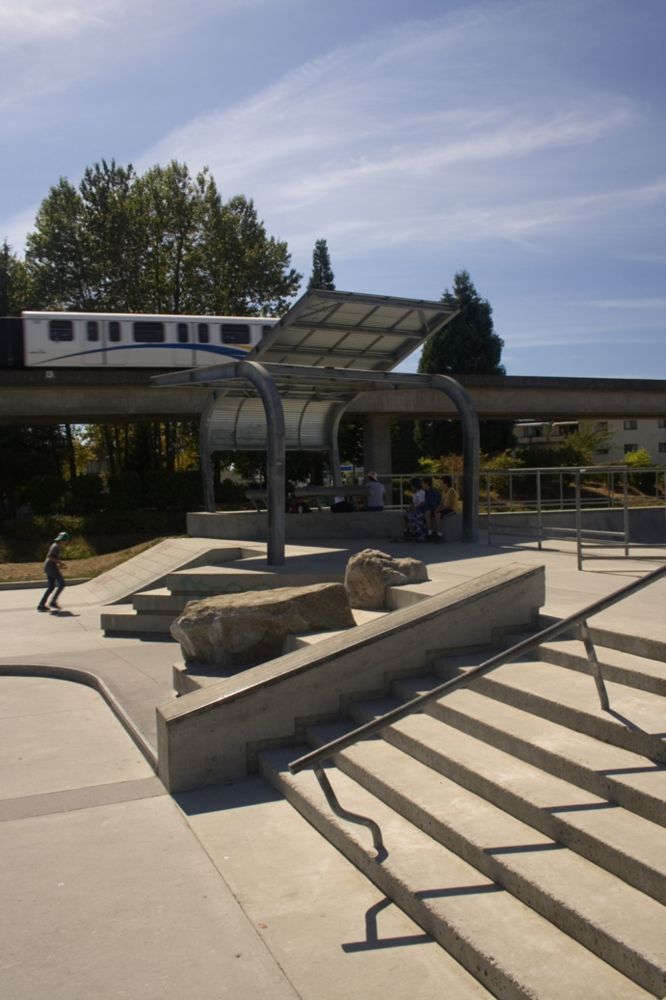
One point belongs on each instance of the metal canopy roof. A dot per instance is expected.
(348, 330)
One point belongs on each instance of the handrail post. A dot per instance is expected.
(351, 817)
(488, 505)
(595, 667)
(539, 518)
(579, 540)
(625, 514)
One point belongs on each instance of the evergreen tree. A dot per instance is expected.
(468, 345)
(322, 273)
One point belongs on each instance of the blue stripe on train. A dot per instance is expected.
(230, 352)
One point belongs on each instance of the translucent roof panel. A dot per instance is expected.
(347, 330)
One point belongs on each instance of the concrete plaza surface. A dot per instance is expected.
(113, 889)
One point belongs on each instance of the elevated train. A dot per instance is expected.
(126, 340)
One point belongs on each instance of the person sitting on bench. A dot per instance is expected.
(447, 506)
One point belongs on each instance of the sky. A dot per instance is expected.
(521, 140)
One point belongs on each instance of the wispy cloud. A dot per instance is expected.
(409, 136)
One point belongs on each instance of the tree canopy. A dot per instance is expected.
(468, 345)
(163, 241)
(14, 283)
(322, 273)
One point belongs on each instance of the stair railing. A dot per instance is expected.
(578, 621)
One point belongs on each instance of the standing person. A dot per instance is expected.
(375, 492)
(447, 507)
(55, 579)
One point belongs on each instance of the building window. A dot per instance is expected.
(202, 333)
(661, 422)
(630, 447)
(92, 329)
(662, 446)
(601, 451)
(630, 425)
(601, 425)
(235, 333)
(61, 329)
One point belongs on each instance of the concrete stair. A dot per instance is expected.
(151, 612)
(524, 828)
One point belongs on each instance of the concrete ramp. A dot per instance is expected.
(152, 567)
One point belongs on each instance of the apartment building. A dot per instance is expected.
(624, 436)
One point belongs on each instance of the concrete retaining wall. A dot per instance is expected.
(252, 525)
(210, 735)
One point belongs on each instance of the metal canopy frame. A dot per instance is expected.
(299, 406)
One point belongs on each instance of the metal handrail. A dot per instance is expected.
(315, 758)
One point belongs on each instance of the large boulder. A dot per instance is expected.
(370, 572)
(239, 630)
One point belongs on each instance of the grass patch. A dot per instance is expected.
(89, 567)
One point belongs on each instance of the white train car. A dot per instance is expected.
(126, 340)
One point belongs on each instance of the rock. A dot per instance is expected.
(245, 629)
(370, 572)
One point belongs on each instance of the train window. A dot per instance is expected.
(114, 331)
(235, 333)
(61, 329)
(202, 331)
(183, 333)
(92, 329)
(148, 332)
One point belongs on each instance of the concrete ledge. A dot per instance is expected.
(212, 734)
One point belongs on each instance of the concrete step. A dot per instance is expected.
(159, 601)
(616, 665)
(614, 920)
(638, 645)
(511, 949)
(303, 639)
(234, 579)
(614, 838)
(610, 772)
(411, 593)
(635, 720)
(122, 620)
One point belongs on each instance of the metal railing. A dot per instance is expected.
(315, 759)
(585, 538)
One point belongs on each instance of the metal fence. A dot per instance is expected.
(540, 491)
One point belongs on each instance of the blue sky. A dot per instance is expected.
(522, 140)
